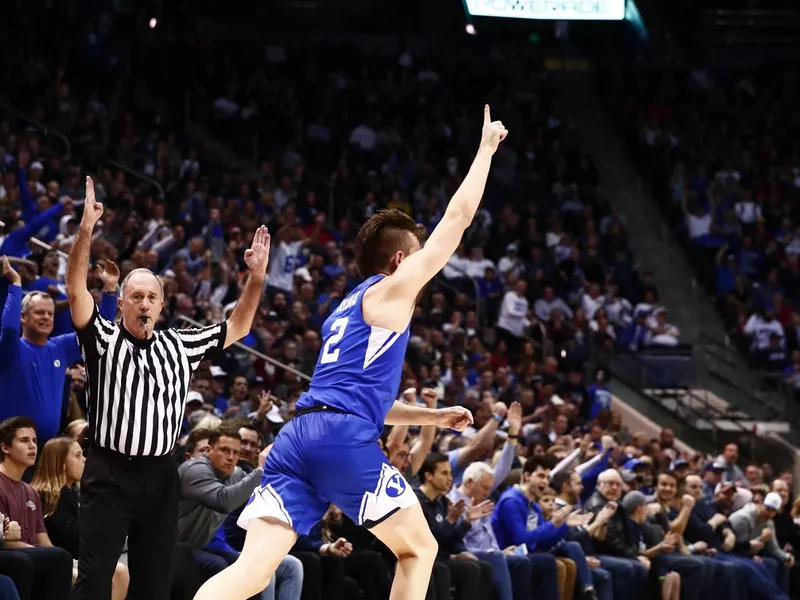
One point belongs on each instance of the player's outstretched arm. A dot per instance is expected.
(257, 259)
(454, 417)
(414, 272)
(81, 303)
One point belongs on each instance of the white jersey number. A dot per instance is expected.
(330, 354)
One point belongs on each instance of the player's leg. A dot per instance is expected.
(281, 506)
(267, 542)
(358, 479)
(407, 535)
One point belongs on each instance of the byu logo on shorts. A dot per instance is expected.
(395, 486)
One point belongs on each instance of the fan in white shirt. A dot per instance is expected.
(514, 310)
(510, 265)
(592, 300)
(661, 332)
(761, 327)
(748, 211)
(544, 306)
(457, 265)
(477, 263)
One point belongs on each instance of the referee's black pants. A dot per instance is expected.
(134, 497)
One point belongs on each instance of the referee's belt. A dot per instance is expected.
(320, 408)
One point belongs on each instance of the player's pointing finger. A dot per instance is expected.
(487, 116)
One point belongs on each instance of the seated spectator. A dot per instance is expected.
(710, 530)
(753, 525)
(51, 566)
(675, 571)
(661, 332)
(57, 475)
(615, 544)
(512, 572)
(212, 486)
(518, 520)
(472, 578)
(363, 564)
(672, 514)
(323, 567)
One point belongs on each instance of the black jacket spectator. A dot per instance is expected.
(621, 539)
(449, 537)
(63, 526)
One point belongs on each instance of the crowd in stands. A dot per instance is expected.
(719, 147)
(546, 497)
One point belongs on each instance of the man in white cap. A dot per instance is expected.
(753, 524)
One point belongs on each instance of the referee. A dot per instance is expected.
(138, 380)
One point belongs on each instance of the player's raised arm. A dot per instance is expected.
(81, 303)
(414, 272)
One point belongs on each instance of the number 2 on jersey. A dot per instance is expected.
(330, 354)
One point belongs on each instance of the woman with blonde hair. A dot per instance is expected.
(56, 479)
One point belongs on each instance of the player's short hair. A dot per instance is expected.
(381, 236)
(30, 297)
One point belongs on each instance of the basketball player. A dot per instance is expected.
(329, 453)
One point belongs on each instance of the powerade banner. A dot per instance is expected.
(562, 10)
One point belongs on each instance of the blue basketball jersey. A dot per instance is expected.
(359, 367)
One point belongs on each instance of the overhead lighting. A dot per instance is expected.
(470, 29)
(153, 23)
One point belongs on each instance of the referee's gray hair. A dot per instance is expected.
(140, 270)
(477, 470)
(30, 297)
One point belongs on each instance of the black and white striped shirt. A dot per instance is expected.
(137, 388)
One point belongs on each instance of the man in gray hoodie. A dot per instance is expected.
(753, 524)
(212, 486)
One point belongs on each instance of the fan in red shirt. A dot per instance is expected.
(52, 567)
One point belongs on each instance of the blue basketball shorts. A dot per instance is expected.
(324, 458)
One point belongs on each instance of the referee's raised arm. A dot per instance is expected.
(256, 258)
(81, 303)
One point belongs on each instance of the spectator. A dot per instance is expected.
(753, 524)
(32, 367)
(708, 527)
(512, 572)
(518, 520)
(212, 486)
(618, 549)
(57, 475)
(732, 473)
(658, 549)
(471, 577)
(51, 566)
(513, 315)
(664, 508)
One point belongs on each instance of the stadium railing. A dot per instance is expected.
(137, 174)
(273, 361)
